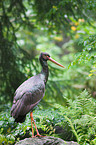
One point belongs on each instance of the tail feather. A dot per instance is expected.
(20, 119)
(15, 110)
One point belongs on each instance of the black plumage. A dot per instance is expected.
(29, 93)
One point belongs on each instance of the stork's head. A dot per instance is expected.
(45, 56)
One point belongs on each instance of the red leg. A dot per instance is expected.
(37, 130)
(31, 116)
(32, 120)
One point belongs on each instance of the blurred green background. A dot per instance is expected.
(67, 31)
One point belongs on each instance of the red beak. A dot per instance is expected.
(49, 58)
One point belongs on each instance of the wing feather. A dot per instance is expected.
(27, 100)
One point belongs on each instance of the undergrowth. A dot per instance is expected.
(76, 121)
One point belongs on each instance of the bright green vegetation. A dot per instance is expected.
(67, 31)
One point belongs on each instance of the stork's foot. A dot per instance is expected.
(38, 135)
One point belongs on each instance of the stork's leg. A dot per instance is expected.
(31, 116)
(32, 120)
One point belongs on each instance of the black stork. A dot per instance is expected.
(30, 93)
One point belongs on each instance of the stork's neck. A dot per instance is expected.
(45, 72)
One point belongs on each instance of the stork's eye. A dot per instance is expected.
(44, 56)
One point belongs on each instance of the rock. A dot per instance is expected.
(48, 140)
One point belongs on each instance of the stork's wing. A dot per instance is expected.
(27, 97)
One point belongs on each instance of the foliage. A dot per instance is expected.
(67, 31)
(77, 122)
(81, 113)
(57, 14)
(20, 29)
